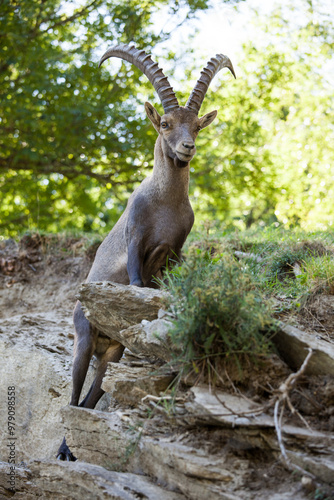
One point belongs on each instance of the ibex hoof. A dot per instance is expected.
(137, 283)
(64, 453)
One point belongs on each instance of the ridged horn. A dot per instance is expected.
(151, 69)
(207, 74)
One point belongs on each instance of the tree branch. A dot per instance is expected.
(76, 15)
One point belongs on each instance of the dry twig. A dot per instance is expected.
(280, 400)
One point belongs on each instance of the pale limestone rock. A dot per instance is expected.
(36, 352)
(79, 480)
(221, 408)
(105, 440)
(293, 343)
(312, 450)
(96, 437)
(113, 307)
(321, 466)
(150, 338)
(24, 487)
(128, 314)
(231, 410)
(45, 479)
(38, 365)
(129, 384)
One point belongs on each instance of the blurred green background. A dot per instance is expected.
(75, 141)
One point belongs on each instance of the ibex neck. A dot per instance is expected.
(168, 177)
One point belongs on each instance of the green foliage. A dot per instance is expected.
(219, 313)
(275, 274)
(268, 158)
(74, 140)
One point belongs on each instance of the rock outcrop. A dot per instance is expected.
(293, 344)
(133, 319)
(141, 442)
(119, 306)
(130, 384)
(35, 351)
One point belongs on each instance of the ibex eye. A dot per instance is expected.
(164, 125)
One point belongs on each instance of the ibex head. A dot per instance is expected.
(179, 126)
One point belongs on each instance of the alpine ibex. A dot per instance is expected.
(158, 216)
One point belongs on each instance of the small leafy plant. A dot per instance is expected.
(219, 312)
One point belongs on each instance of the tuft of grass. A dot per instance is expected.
(280, 263)
(219, 312)
(295, 265)
(314, 273)
(318, 274)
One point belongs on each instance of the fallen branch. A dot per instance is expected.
(281, 399)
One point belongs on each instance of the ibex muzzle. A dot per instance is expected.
(157, 219)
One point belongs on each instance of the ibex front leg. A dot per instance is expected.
(135, 263)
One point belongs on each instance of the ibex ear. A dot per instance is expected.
(153, 115)
(207, 119)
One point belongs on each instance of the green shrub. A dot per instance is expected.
(219, 313)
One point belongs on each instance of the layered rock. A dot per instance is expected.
(209, 445)
(129, 314)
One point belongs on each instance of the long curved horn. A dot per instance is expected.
(151, 69)
(207, 74)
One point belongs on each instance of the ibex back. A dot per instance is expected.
(157, 219)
